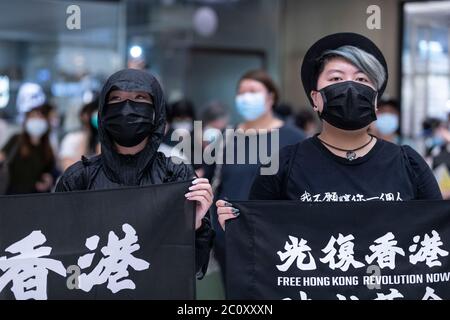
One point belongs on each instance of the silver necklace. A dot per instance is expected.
(350, 154)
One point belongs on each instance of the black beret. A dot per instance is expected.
(331, 42)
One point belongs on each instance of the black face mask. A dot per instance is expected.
(129, 122)
(348, 105)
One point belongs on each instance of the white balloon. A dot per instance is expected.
(205, 21)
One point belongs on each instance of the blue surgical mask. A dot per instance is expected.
(387, 123)
(437, 141)
(251, 106)
(36, 127)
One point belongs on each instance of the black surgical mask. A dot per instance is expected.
(129, 122)
(348, 105)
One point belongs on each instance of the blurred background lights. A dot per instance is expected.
(135, 51)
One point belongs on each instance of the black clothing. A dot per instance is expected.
(310, 172)
(24, 172)
(112, 170)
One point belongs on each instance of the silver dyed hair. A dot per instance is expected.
(361, 59)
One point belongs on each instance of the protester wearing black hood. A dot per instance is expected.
(132, 117)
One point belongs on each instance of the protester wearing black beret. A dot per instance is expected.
(343, 75)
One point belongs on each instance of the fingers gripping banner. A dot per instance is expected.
(340, 251)
(132, 243)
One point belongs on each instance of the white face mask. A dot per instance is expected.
(183, 124)
(36, 127)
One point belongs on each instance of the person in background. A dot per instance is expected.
(54, 121)
(437, 142)
(284, 111)
(180, 118)
(214, 116)
(32, 164)
(181, 115)
(30, 95)
(307, 121)
(4, 128)
(83, 142)
(215, 119)
(435, 135)
(256, 96)
(388, 122)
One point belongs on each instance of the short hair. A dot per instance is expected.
(214, 111)
(263, 77)
(304, 117)
(183, 108)
(389, 102)
(90, 107)
(361, 59)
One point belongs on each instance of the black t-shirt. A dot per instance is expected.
(309, 172)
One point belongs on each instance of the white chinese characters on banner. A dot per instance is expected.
(335, 197)
(113, 267)
(341, 297)
(339, 254)
(430, 295)
(296, 251)
(430, 250)
(303, 296)
(345, 253)
(384, 251)
(28, 269)
(392, 295)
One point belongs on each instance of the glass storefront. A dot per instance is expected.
(198, 49)
(425, 64)
(37, 46)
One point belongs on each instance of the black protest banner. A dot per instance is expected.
(130, 243)
(339, 251)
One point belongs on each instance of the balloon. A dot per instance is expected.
(205, 21)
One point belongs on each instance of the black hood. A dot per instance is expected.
(128, 170)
